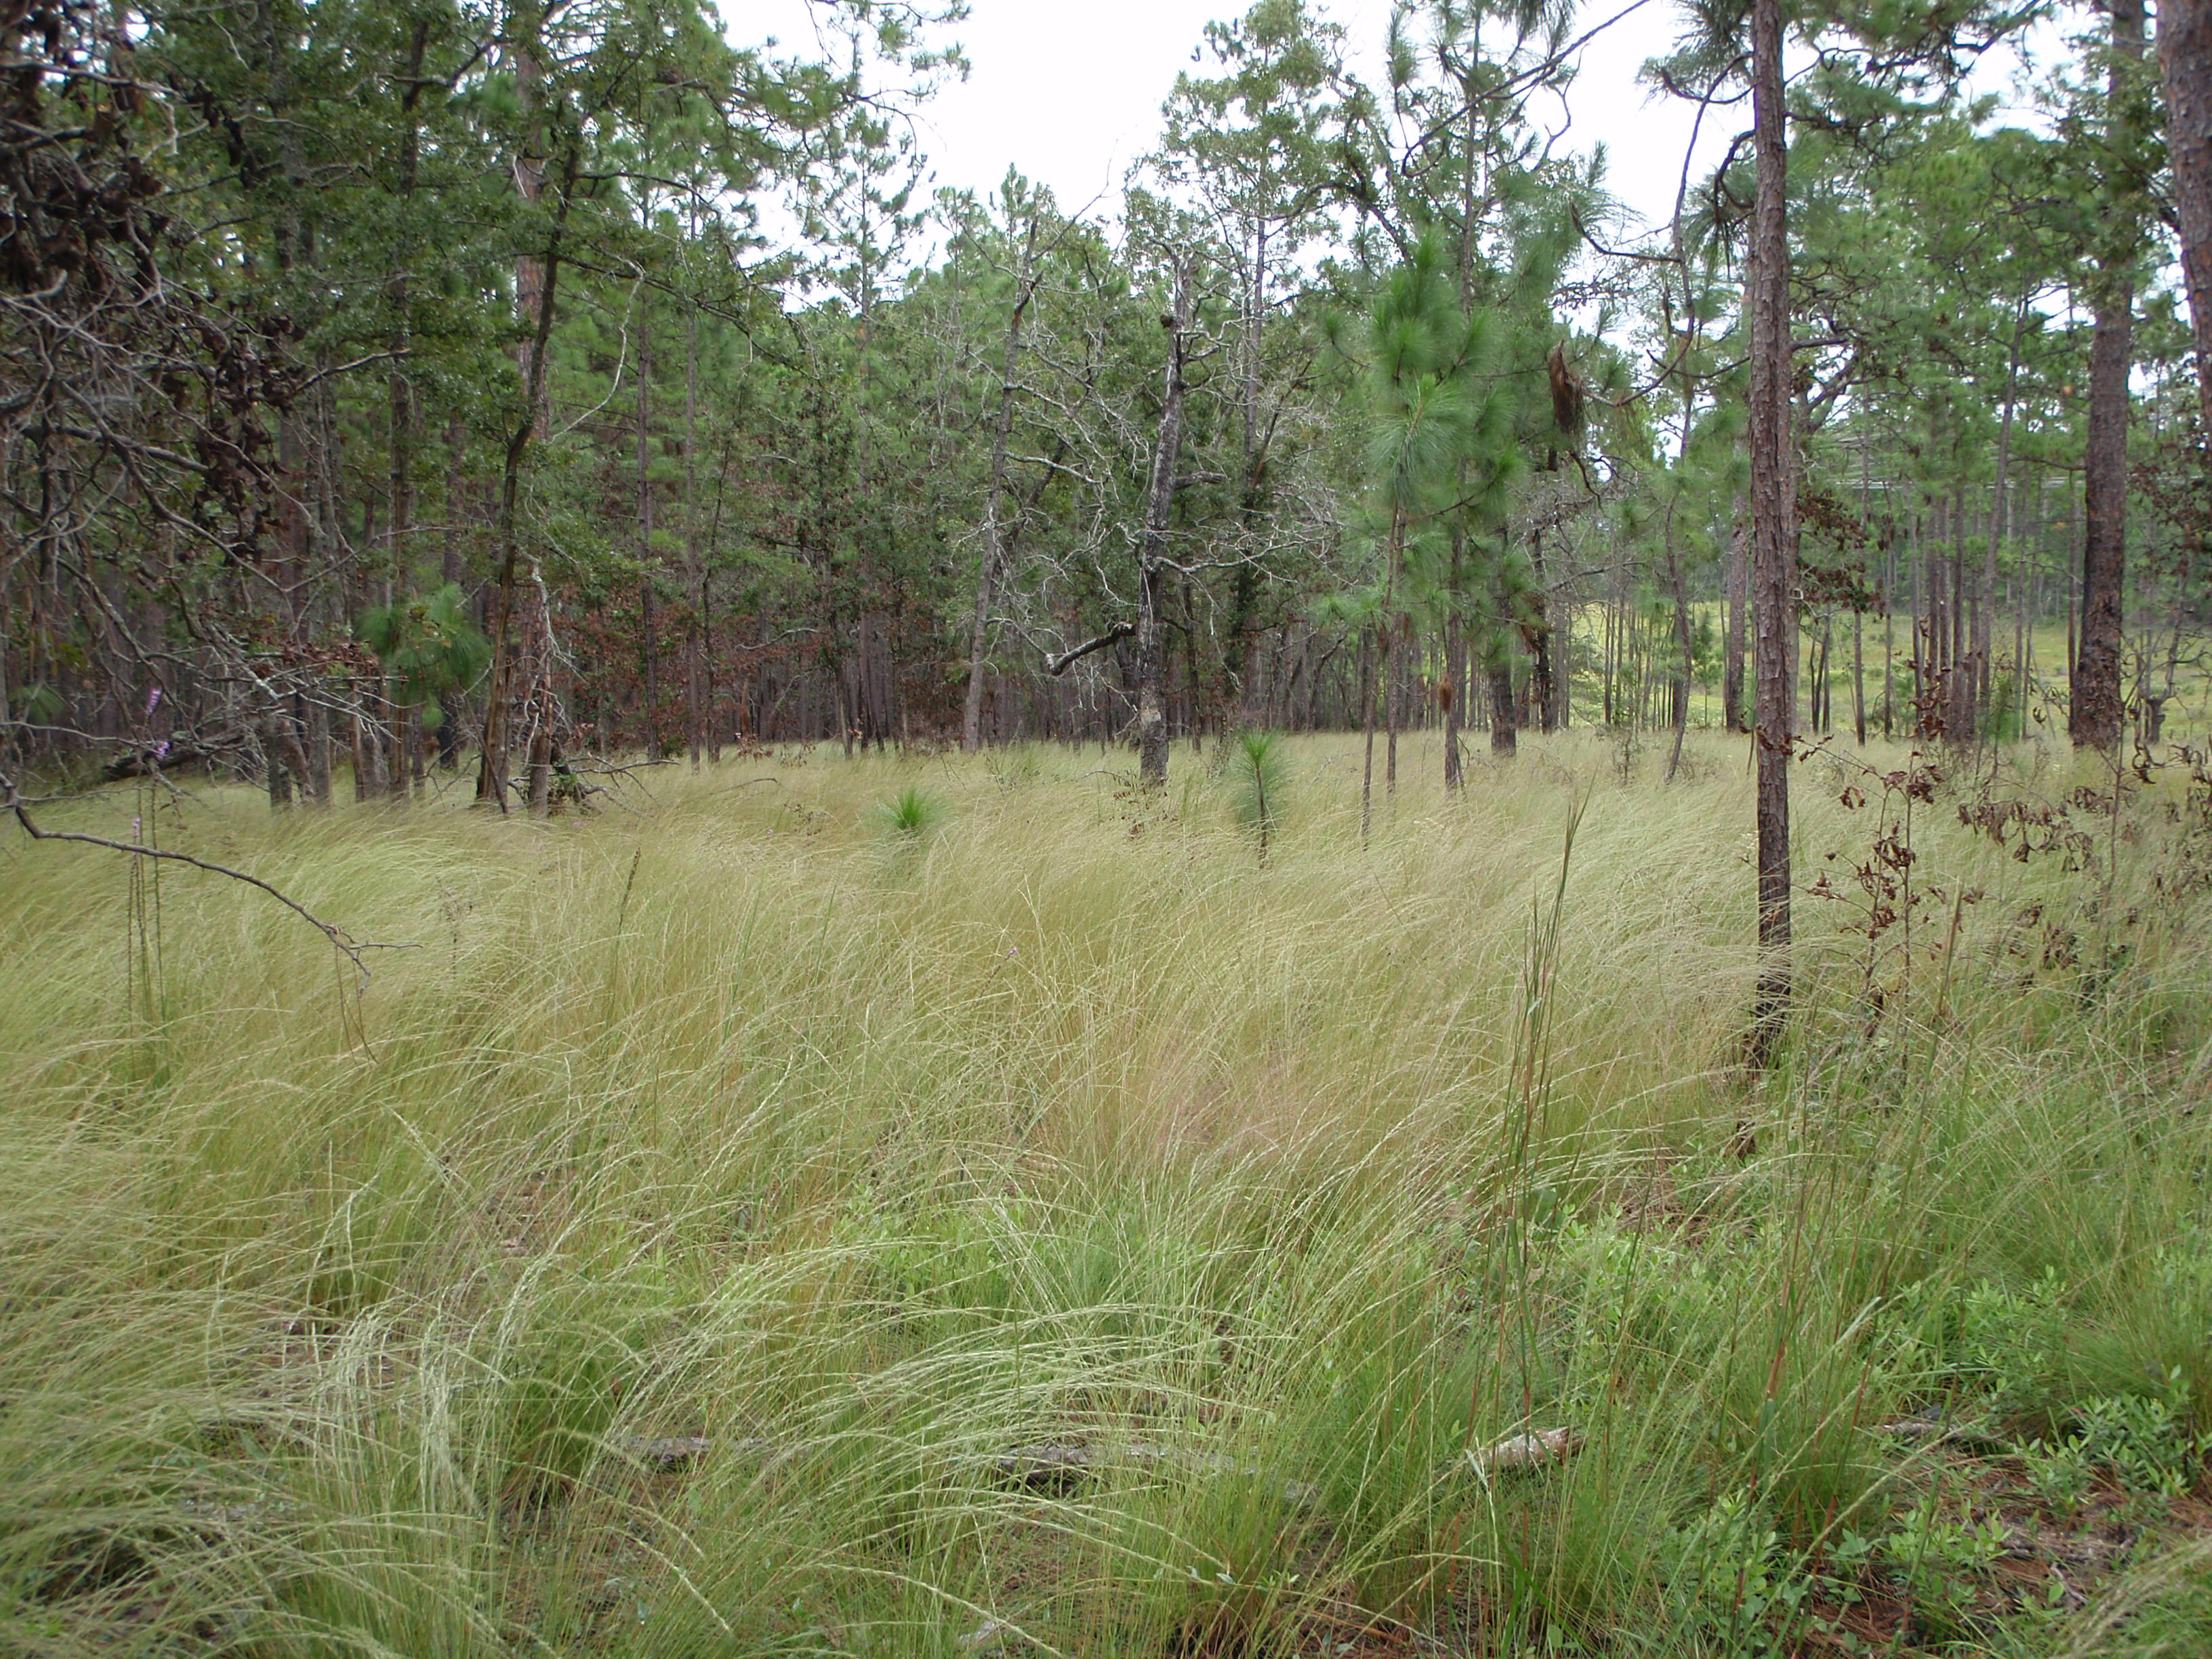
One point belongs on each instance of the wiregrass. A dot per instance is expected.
(733, 1226)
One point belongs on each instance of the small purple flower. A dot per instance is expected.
(152, 697)
(162, 750)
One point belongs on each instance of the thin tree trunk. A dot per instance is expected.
(1959, 724)
(1774, 528)
(1858, 676)
(1888, 636)
(971, 718)
(1689, 657)
(1367, 723)
(1986, 630)
(1541, 694)
(537, 279)
(647, 588)
(1393, 695)
(1454, 669)
(1152, 546)
(1739, 589)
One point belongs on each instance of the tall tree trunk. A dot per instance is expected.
(1152, 547)
(1774, 527)
(649, 595)
(399, 390)
(2184, 61)
(2097, 699)
(536, 278)
(987, 575)
(694, 689)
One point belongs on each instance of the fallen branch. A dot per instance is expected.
(353, 949)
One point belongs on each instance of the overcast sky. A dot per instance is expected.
(1071, 91)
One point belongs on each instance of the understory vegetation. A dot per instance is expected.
(961, 1206)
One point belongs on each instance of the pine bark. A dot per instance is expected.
(2097, 711)
(2184, 61)
(1774, 528)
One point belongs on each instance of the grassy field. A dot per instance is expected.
(763, 1218)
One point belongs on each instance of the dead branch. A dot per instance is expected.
(1058, 663)
(353, 949)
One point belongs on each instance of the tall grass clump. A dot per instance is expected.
(1089, 1242)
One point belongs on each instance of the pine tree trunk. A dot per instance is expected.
(2184, 60)
(649, 607)
(1774, 528)
(1858, 676)
(1504, 725)
(2097, 699)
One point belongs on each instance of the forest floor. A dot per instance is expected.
(948, 1207)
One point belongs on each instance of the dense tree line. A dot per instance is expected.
(396, 382)
(405, 383)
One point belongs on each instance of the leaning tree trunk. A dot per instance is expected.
(2184, 60)
(2098, 707)
(1773, 528)
(1152, 550)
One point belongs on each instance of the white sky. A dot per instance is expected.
(1070, 91)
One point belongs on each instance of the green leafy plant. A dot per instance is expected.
(2146, 1443)
(1937, 1557)
(2058, 1471)
(1726, 1579)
